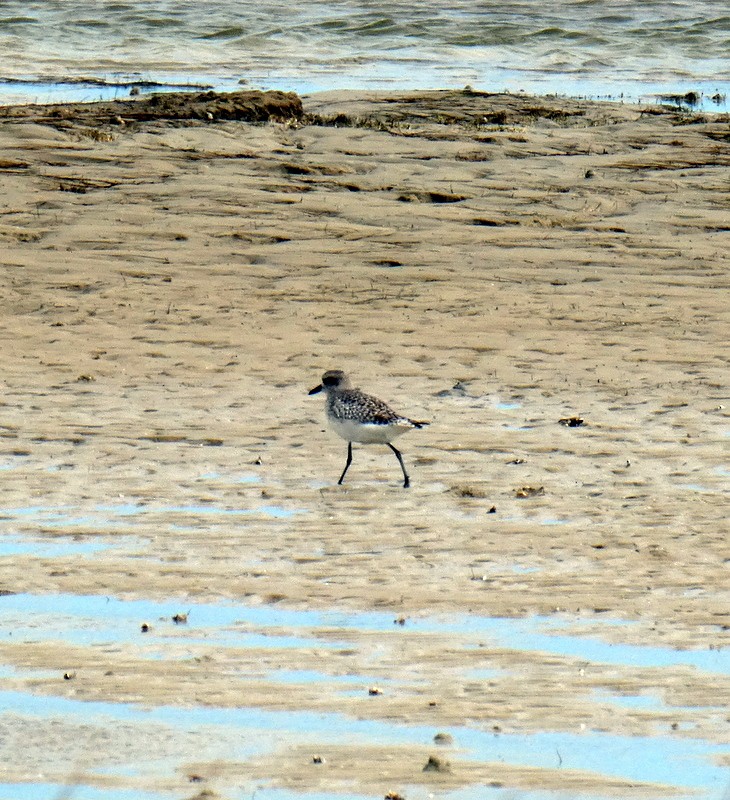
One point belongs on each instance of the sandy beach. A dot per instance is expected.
(172, 287)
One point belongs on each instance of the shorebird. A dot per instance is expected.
(360, 417)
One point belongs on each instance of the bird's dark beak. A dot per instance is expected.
(317, 389)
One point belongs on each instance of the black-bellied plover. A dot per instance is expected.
(359, 417)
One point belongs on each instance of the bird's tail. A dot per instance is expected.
(419, 423)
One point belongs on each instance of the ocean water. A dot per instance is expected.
(619, 49)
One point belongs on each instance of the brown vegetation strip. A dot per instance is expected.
(248, 106)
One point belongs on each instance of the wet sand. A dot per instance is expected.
(171, 289)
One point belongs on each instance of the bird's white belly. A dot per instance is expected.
(353, 431)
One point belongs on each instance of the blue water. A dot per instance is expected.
(97, 619)
(686, 762)
(682, 762)
(93, 49)
(12, 545)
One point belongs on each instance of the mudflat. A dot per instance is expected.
(192, 607)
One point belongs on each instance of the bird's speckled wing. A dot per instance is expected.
(352, 404)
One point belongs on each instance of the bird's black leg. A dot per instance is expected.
(349, 461)
(407, 481)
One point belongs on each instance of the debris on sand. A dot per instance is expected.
(436, 764)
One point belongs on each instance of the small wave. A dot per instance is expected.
(18, 20)
(711, 26)
(333, 24)
(376, 27)
(91, 23)
(233, 32)
(561, 34)
(88, 81)
(670, 47)
(161, 22)
(614, 19)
